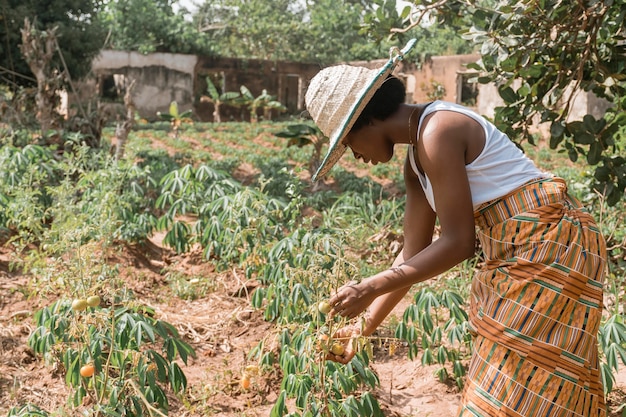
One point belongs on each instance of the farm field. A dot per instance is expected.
(214, 238)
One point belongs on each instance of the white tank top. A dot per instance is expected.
(500, 168)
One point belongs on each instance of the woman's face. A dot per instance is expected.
(370, 144)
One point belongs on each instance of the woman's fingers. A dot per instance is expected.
(346, 337)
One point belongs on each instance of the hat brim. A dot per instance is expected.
(336, 148)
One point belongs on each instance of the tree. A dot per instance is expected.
(78, 32)
(334, 35)
(258, 29)
(541, 53)
(320, 31)
(38, 48)
(151, 26)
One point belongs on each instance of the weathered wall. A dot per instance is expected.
(160, 78)
(286, 81)
(444, 70)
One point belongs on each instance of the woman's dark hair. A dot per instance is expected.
(384, 103)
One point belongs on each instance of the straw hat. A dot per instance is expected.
(336, 97)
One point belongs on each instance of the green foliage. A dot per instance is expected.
(278, 180)
(301, 270)
(263, 102)
(253, 29)
(352, 183)
(79, 35)
(612, 340)
(321, 387)
(175, 117)
(219, 97)
(554, 54)
(27, 410)
(333, 33)
(319, 31)
(541, 55)
(83, 194)
(437, 323)
(83, 205)
(25, 175)
(133, 355)
(152, 26)
(302, 134)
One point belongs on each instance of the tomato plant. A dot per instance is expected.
(130, 356)
(87, 371)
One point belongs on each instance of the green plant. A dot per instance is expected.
(264, 102)
(318, 386)
(27, 410)
(302, 134)
(133, 355)
(176, 118)
(612, 341)
(217, 98)
(425, 325)
(26, 175)
(322, 387)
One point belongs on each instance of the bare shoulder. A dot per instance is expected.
(449, 124)
(447, 132)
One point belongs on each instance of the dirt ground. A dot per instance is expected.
(222, 328)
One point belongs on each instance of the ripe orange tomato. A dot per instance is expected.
(87, 371)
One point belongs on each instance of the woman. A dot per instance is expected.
(536, 305)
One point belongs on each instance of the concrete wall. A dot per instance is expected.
(442, 70)
(160, 78)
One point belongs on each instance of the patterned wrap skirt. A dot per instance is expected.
(536, 307)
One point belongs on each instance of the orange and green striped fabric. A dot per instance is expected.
(535, 308)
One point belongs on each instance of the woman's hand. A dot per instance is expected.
(346, 337)
(351, 299)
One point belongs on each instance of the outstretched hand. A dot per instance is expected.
(351, 299)
(346, 337)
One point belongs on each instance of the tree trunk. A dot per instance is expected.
(217, 118)
(124, 127)
(38, 48)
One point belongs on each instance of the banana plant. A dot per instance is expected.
(218, 98)
(302, 134)
(265, 102)
(175, 117)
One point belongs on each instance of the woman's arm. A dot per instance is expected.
(419, 223)
(442, 152)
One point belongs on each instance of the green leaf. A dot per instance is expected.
(174, 110)
(508, 95)
(595, 153)
(280, 408)
(178, 380)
